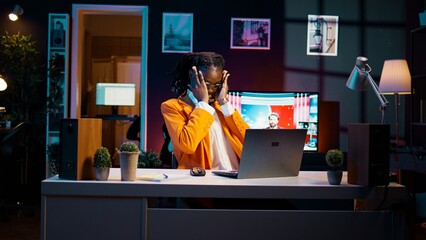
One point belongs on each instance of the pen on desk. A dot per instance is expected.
(165, 176)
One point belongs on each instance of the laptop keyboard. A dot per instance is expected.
(226, 173)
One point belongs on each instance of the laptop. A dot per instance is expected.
(269, 153)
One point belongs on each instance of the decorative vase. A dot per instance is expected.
(101, 173)
(128, 165)
(334, 177)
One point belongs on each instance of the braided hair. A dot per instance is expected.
(181, 72)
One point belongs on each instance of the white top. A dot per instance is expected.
(223, 155)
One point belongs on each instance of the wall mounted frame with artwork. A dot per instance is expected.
(322, 35)
(250, 33)
(177, 32)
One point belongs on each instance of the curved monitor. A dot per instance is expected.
(280, 110)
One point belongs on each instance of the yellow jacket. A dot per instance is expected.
(188, 128)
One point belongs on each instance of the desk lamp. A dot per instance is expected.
(368, 144)
(396, 80)
(360, 78)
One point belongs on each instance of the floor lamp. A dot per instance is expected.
(395, 80)
(3, 84)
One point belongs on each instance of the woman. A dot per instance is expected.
(204, 128)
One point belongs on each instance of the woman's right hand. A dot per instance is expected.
(198, 86)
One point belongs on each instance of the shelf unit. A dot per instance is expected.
(57, 82)
(418, 80)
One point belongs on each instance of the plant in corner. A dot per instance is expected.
(102, 163)
(334, 159)
(21, 64)
(129, 155)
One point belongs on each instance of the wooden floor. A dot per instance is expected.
(24, 224)
(21, 222)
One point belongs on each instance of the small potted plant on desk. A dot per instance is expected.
(334, 159)
(102, 164)
(129, 155)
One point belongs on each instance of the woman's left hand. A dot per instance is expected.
(223, 94)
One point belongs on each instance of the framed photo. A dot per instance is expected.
(322, 35)
(250, 33)
(58, 28)
(177, 32)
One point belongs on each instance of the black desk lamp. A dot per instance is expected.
(360, 78)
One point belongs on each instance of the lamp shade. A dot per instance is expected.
(3, 84)
(395, 77)
(358, 80)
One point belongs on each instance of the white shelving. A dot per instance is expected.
(57, 80)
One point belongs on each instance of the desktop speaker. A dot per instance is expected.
(79, 139)
(368, 154)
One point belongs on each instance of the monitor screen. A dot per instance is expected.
(286, 110)
(115, 94)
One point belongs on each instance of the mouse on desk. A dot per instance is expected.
(197, 171)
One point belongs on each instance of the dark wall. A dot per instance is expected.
(249, 69)
(378, 30)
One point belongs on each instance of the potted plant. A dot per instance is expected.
(129, 155)
(149, 159)
(21, 63)
(334, 159)
(102, 163)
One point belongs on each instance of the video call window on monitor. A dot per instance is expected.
(294, 110)
(115, 95)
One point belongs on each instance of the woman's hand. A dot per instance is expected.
(198, 86)
(222, 98)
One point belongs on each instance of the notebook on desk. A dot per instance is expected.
(269, 153)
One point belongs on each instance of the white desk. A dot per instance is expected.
(119, 210)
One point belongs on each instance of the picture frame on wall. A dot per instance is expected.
(250, 33)
(322, 36)
(58, 28)
(177, 32)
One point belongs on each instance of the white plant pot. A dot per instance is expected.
(101, 173)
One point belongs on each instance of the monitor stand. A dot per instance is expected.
(114, 110)
(115, 115)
